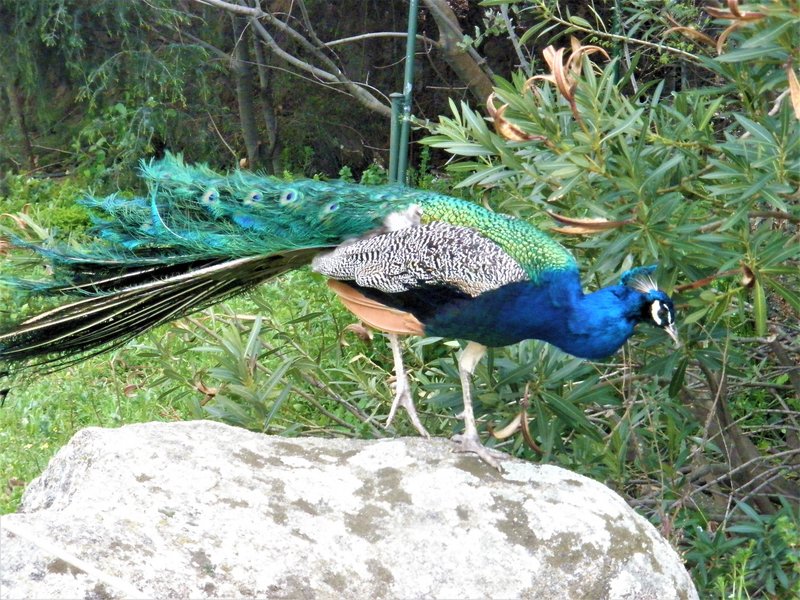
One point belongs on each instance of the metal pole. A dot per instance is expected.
(617, 30)
(408, 84)
(394, 136)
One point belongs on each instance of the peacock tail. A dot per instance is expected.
(199, 237)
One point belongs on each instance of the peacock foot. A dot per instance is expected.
(403, 398)
(466, 442)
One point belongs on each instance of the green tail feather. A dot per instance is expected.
(199, 237)
(119, 308)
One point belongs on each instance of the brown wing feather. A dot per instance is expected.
(376, 315)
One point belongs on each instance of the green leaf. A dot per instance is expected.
(252, 347)
(570, 414)
(744, 54)
(791, 296)
(758, 132)
(626, 124)
(655, 176)
(676, 382)
(487, 176)
(580, 22)
(759, 308)
(694, 317)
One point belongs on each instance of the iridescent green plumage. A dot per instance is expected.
(198, 237)
(197, 212)
(533, 250)
(405, 261)
(301, 211)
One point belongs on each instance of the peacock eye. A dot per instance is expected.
(253, 197)
(210, 196)
(288, 197)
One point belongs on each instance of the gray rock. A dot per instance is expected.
(203, 510)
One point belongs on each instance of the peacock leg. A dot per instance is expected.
(469, 440)
(402, 395)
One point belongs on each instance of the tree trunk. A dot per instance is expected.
(272, 154)
(18, 117)
(243, 75)
(470, 67)
(749, 468)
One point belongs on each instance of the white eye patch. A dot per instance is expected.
(662, 316)
(655, 309)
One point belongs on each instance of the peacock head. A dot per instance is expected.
(659, 310)
(657, 307)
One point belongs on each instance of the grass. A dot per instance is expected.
(156, 377)
(41, 415)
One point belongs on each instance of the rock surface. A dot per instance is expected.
(203, 510)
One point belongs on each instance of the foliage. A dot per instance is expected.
(130, 90)
(704, 181)
(50, 202)
(668, 153)
(99, 85)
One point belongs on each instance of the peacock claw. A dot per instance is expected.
(471, 443)
(403, 398)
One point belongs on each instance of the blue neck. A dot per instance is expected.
(554, 310)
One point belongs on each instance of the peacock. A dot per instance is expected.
(404, 261)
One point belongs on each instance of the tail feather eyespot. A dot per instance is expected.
(288, 197)
(328, 209)
(210, 196)
(253, 197)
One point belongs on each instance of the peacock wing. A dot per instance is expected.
(533, 250)
(426, 256)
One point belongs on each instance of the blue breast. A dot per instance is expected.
(554, 310)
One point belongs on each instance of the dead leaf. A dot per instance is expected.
(748, 277)
(563, 71)
(13, 482)
(705, 280)
(576, 226)
(578, 52)
(505, 128)
(208, 392)
(526, 432)
(794, 88)
(692, 34)
(723, 37)
(509, 430)
(20, 222)
(734, 14)
(363, 332)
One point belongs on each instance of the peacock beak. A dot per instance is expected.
(673, 333)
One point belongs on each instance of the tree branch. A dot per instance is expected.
(524, 63)
(234, 8)
(364, 97)
(331, 74)
(470, 67)
(624, 38)
(381, 34)
(206, 46)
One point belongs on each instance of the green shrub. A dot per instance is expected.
(51, 202)
(703, 180)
